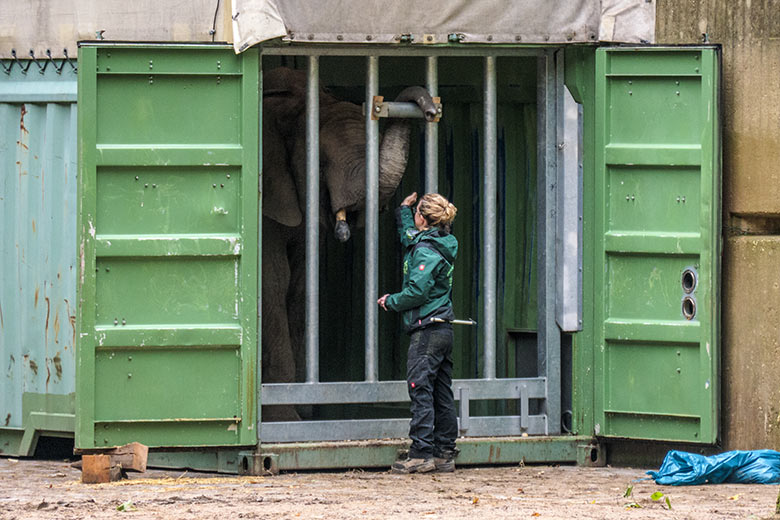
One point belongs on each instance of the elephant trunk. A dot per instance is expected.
(393, 156)
(394, 151)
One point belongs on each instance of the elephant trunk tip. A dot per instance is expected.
(423, 99)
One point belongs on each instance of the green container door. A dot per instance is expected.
(167, 245)
(658, 242)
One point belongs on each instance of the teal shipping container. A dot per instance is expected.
(38, 252)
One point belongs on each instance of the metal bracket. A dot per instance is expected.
(593, 454)
(393, 109)
(251, 463)
(523, 407)
(463, 397)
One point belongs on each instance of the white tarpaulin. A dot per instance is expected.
(439, 21)
(54, 25)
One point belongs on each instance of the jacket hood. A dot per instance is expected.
(445, 243)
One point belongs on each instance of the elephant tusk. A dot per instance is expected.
(341, 215)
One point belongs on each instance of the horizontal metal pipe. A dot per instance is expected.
(394, 391)
(403, 109)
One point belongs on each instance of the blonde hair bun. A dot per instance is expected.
(437, 210)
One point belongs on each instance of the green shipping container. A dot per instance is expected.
(168, 266)
(167, 226)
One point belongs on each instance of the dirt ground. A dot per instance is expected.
(31, 489)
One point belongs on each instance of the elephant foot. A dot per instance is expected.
(342, 231)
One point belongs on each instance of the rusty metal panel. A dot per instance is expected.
(37, 235)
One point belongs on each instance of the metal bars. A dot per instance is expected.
(372, 222)
(432, 130)
(548, 335)
(312, 220)
(546, 387)
(489, 233)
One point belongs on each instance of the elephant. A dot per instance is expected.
(342, 200)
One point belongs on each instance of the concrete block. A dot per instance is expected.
(751, 343)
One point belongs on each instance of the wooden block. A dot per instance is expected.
(97, 469)
(131, 457)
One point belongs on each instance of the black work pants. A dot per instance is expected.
(434, 425)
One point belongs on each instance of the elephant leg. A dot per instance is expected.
(296, 308)
(278, 360)
(296, 303)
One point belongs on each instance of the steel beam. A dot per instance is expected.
(377, 453)
(372, 223)
(432, 130)
(548, 334)
(312, 220)
(489, 233)
(361, 429)
(407, 51)
(568, 242)
(395, 391)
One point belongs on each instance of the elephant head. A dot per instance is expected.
(342, 151)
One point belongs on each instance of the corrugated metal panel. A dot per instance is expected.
(37, 235)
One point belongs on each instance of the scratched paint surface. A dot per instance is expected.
(658, 194)
(167, 228)
(37, 238)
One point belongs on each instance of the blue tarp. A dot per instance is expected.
(735, 467)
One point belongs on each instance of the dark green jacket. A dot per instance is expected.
(429, 258)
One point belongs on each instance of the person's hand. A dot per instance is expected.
(381, 301)
(410, 199)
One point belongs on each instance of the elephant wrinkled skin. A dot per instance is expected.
(342, 192)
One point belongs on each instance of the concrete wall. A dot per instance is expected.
(749, 32)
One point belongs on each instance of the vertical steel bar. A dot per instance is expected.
(548, 335)
(489, 227)
(312, 220)
(259, 357)
(372, 220)
(432, 131)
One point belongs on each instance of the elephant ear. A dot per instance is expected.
(280, 198)
(283, 103)
(343, 152)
